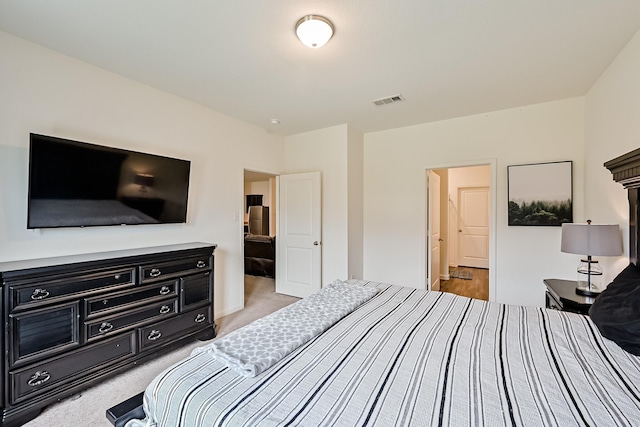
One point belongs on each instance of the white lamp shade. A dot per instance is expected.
(314, 31)
(591, 239)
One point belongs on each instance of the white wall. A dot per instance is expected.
(325, 150)
(45, 92)
(612, 110)
(395, 161)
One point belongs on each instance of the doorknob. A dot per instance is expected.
(316, 243)
(441, 240)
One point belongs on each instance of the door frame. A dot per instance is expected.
(492, 163)
(430, 175)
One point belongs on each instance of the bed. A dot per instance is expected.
(407, 357)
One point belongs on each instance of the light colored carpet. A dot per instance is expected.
(89, 406)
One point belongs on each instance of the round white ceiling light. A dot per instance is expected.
(314, 30)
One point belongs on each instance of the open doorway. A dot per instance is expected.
(460, 230)
(282, 242)
(259, 229)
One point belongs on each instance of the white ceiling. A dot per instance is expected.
(448, 58)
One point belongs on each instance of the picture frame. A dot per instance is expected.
(540, 194)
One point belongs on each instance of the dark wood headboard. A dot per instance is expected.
(626, 171)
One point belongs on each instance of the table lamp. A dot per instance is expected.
(590, 240)
(144, 180)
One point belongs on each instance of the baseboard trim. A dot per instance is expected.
(228, 312)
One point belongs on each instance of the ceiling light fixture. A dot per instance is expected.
(314, 30)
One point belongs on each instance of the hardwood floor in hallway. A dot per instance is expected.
(477, 287)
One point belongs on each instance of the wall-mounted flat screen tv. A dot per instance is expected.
(77, 184)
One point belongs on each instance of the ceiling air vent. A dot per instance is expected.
(388, 100)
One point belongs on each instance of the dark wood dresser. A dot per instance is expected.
(70, 322)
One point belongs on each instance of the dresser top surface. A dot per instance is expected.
(97, 256)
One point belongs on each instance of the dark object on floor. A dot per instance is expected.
(127, 410)
(259, 255)
(457, 273)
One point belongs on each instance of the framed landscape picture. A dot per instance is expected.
(540, 194)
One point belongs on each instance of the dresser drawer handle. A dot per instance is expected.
(165, 309)
(155, 272)
(200, 318)
(39, 294)
(39, 378)
(201, 264)
(154, 335)
(165, 290)
(105, 327)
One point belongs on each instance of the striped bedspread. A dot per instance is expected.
(256, 347)
(416, 358)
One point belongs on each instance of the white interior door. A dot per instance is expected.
(433, 231)
(298, 244)
(473, 227)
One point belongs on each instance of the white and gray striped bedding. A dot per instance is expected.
(416, 358)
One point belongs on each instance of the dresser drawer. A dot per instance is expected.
(152, 272)
(166, 330)
(24, 295)
(117, 323)
(39, 378)
(114, 301)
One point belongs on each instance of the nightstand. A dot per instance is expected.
(561, 295)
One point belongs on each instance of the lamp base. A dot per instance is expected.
(588, 291)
